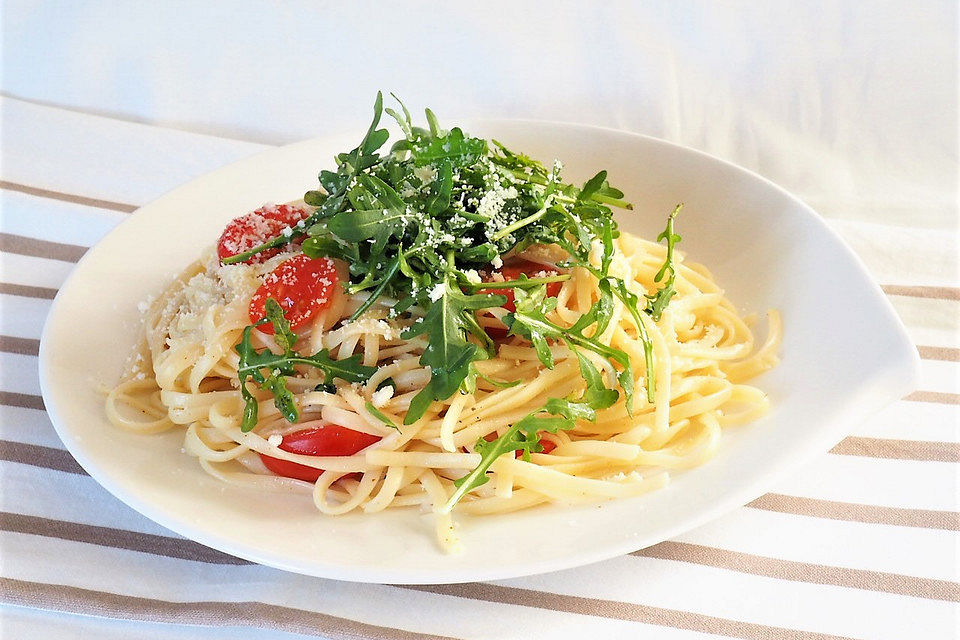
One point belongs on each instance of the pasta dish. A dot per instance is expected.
(445, 325)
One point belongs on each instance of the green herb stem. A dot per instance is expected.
(523, 222)
(519, 284)
(620, 203)
(272, 243)
(376, 293)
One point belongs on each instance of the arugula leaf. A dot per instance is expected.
(282, 334)
(524, 436)
(379, 415)
(441, 190)
(448, 322)
(454, 146)
(592, 186)
(499, 383)
(596, 395)
(370, 224)
(631, 301)
(530, 321)
(253, 365)
(660, 300)
(405, 122)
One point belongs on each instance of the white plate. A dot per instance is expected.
(845, 355)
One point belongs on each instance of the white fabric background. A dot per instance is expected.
(850, 105)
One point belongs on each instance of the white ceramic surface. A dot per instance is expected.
(845, 355)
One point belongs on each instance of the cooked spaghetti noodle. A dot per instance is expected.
(185, 377)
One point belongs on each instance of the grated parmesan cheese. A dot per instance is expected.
(382, 396)
(438, 291)
(144, 305)
(425, 174)
(491, 205)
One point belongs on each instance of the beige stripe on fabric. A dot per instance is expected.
(26, 291)
(916, 291)
(21, 346)
(180, 548)
(853, 512)
(39, 456)
(620, 611)
(936, 397)
(24, 400)
(53, 597)
(949, 354)
(922, 450)
(36, 248)
(153, 544)
(68, 197)
(804, 571)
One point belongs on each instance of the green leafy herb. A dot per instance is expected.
(631, 301)
(524, 435)
(530, 322)
(269, 370)
(449, 354)
(499, 383)
(379, 415)
(418, 222)
(660, 300)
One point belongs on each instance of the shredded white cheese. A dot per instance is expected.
(144, 305)
(382, 396)
(438, 291)
(425, 174)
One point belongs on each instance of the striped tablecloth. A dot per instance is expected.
(862, 543)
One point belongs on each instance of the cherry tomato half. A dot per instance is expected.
(331, 440)
(512, 270)
(303, 287)
(255, 228)
(548, 445)
(288, 214)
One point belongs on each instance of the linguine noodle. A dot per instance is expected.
(184, 376)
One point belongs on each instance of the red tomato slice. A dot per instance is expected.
(245, 233)
(302, 285)
(288, 214)
(255, 228)
(331, 440)
(512, 270)
(548, 445)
